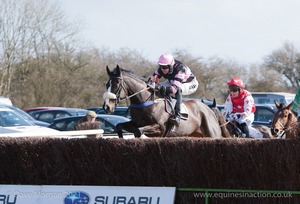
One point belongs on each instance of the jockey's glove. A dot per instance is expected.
(233, 116)
(152, 85)
(230, 117)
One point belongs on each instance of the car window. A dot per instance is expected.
(77, 112)
(107, 127)
(120, 112)
(10, 118)
(71, 124)
(22, 113)
(263, 115)
(65, 125)
(61, 115)
(59, 126)
(46, 117)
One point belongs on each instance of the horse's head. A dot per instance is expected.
(282, 120)
(114, 89)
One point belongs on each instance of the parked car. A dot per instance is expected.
(271, 97)
(263, 115)
(49, 115)
(108, 123)
(119, 110)
(12, 123)
(26, 115)
(95, 109)
(31, 110)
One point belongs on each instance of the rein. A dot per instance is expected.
(122, 87)
(225, 123)
(145, 89)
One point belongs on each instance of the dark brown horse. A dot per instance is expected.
(148, 107)
(285, 123)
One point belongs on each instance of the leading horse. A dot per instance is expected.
(285, 123)
(149, 108)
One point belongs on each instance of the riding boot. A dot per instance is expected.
(245, 130)
(235, 130)
(176, 117)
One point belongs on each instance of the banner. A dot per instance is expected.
(46, 194)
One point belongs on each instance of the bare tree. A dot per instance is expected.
(37, 44)
(285, 62)
(42, 62)
(264, 79)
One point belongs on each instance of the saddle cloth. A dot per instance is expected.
(183, 109)
(254, 133)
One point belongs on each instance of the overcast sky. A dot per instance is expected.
(241, 30)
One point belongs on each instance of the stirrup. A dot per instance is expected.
(175, 119)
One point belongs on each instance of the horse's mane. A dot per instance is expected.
(133, 74)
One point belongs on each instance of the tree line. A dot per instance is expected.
(44, 63)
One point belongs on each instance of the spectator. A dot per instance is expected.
(88, 122)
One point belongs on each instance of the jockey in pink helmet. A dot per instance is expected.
(179, 81)
(241, 102)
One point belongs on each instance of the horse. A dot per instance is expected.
(149, 108)
(285, 122)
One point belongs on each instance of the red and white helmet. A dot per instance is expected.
(236, 82)
(166, 59)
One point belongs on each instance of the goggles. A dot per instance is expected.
(234, 90)
(164, 66)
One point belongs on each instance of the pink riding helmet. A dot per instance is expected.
(166, 59)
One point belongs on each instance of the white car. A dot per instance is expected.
(13, 124)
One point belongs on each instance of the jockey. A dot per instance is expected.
(239, 101)
(179, 81)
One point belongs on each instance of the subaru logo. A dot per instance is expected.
(77, 198)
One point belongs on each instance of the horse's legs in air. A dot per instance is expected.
(128, 126)
(151, 130)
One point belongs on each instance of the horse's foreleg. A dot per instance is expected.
(128, 126)
(151, 130)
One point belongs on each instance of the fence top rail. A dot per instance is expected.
(235, 190)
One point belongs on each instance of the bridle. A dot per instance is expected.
(117, 96)
(284, 127)
(119, 89)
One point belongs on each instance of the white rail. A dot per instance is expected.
(76, 133)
